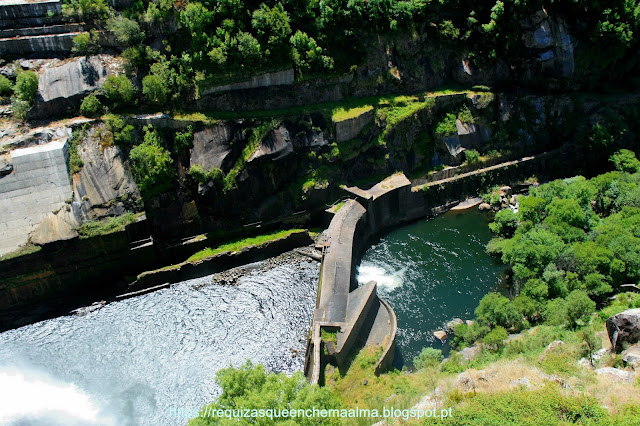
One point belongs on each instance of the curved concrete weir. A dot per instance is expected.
(356, 314)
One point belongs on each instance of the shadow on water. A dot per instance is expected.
(430, 272)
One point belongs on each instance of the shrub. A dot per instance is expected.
(20, 108)
(447, 126)
(495, 338)
(465, 115)
(91, 106)
(123, 133)
(118, 90)
(253, 388)
(494, 309)
(429, 357)
(82, 43)
(152, 165)
(472, 156)
(184, 140)
(6, 86)
(26, 86)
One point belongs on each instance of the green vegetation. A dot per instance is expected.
(184, 140)
(122, 134)
(239, 244)
(214, 175)
(152, 165)
(109, 226)
(118, 90)
(75, 162)
(625, 161)
(26, 86)
(259, 132)
(328, 335)
(341, 114)
(6, 86)
(429, 357)
(447, 126)
(85, 43)
(471, 156)
(251, 387)
(28, 248)
(91, 106)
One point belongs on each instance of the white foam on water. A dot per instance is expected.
(30, 397)
(387, 282)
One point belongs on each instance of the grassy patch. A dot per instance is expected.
(75, 162)
(329, 335)
(113, 224)
(22, 251)
(240, 244)
(341, 114)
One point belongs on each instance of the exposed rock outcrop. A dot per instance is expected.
(62, 225)
(549, 38)
(212, 147)
(104, 186)
(277, 145)
(632, 356)
(615, 373)
(624, 328)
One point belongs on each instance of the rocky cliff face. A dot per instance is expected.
(104, 186)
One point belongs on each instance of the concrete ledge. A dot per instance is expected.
(277, 78)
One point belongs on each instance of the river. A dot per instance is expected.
(133, 361)
(430, 272)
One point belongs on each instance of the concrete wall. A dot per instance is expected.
(278, 78)
(350, 128)
(38, 185)
(46, 45)
(17, 9)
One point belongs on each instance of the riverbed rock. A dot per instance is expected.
(484, 207)
(440, 334)
(624, 328)
(616, 373)
(62, 225)
(276, 145)
(451, 325)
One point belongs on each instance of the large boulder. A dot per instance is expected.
(624, 329)
(63, 85)
(632, 356)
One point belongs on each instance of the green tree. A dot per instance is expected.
(125, 30)
(625, 160)
(249, 49)
(494, 309)
(504, 223)
(154, 89)
(82, 43)
(251, 387)
(123, 133)
(555, 312)
(26, 86)
(152, 165)
(579, 307)
(91, 106)
(118, 90)
(273, 29)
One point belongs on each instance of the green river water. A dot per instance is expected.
(430, 272)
